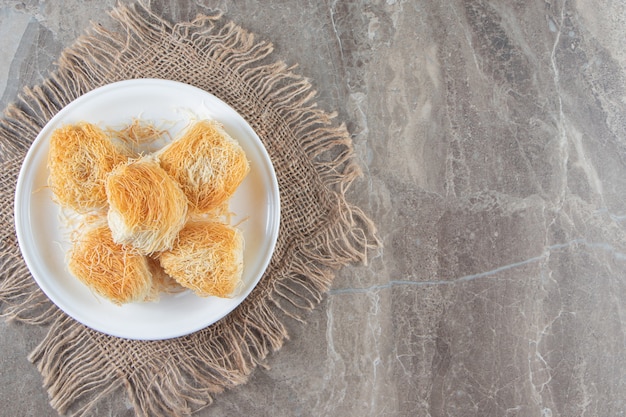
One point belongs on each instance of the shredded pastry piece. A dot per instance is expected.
(207, 258)
(80, 157)
(208, 164)
(113, 271)
(161, 282)
(139, 136)
(147, 208)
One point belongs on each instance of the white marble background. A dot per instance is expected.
(492, 137)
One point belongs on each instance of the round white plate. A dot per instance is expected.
(42, 234)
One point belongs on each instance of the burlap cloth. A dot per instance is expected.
(320, 231)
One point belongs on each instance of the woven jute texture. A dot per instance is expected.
(320, 230)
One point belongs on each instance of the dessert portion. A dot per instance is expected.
(152, 222)
(208, 164)
(116, 272)
(147, 208)
(80, 158)
(207, 258)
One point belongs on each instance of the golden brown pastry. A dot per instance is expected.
(207, 258)
(118, 273)
(147, 208)
(208, 164)
(81, 156)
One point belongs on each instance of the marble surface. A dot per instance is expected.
(492, 137)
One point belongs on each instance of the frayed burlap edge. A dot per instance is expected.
(320, 230)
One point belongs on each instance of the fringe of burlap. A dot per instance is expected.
(320, 231)
(20, 296)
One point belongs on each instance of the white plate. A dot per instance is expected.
(42, 235)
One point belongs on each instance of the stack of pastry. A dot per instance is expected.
(154, 222)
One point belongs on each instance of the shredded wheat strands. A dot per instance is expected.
(147, 208)
(80, 157)
(118, 273)
(139, 136)
(208, 164)
(161, 282)
(207, 258)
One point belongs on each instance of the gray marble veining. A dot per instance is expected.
(492, 138)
